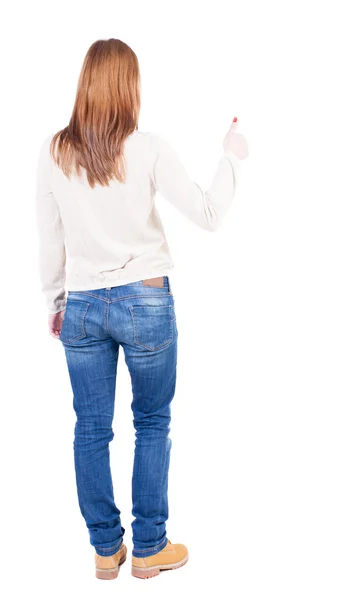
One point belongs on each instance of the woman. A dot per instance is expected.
(96, 183)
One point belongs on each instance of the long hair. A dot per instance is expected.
(105, 112)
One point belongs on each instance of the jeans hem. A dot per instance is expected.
(108, 551)
(144, 552)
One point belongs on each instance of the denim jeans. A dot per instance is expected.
(141, 318)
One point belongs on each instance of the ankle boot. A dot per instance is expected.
(107, 567)
(172, 556)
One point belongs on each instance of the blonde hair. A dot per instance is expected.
(105, 112)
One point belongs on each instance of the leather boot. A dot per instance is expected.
(107, 567)
(172, 556)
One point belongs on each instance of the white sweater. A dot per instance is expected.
(109, 236)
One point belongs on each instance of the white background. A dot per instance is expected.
(264, 467)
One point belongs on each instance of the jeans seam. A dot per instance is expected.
(107, 308)
(140, 296)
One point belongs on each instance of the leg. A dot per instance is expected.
(92, 368)
(153, 377)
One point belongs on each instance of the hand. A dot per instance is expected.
(235, 142)
(55, 323)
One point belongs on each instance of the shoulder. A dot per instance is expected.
(46, 141)
(151, 142)
(150, 136)
(159, 143)
(44, 160)
(44, 147)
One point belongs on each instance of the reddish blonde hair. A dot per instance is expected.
(105, 112)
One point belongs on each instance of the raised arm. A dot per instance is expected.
(205, 208)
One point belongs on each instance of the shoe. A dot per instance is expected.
(107, 567)
(172, 556)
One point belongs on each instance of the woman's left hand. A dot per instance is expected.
(55, 323)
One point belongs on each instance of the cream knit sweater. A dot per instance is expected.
(109, 236)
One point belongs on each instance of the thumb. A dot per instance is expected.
(234, 124)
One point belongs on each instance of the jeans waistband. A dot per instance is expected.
(154, 284)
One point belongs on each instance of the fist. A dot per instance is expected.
(55, 323)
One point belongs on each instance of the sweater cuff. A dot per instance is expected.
(56, 310)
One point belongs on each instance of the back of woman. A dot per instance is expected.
(105, 268)
(113, 233)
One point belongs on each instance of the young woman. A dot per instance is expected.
(101, 235)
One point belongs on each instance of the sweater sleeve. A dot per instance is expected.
(51, 237)
(205, 208)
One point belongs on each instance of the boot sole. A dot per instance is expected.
(145, 572)
(110, 573)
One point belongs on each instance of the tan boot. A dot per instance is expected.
(172, 556)
(107, 567)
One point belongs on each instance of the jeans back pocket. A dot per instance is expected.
(73, 325)
(152, 325)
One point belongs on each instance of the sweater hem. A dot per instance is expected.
(120, 281)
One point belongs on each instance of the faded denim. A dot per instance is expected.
(142, 320)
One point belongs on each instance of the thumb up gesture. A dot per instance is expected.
(235, 142)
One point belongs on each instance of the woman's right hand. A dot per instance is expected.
(235, 142)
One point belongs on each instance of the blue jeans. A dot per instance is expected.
(141, 318)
